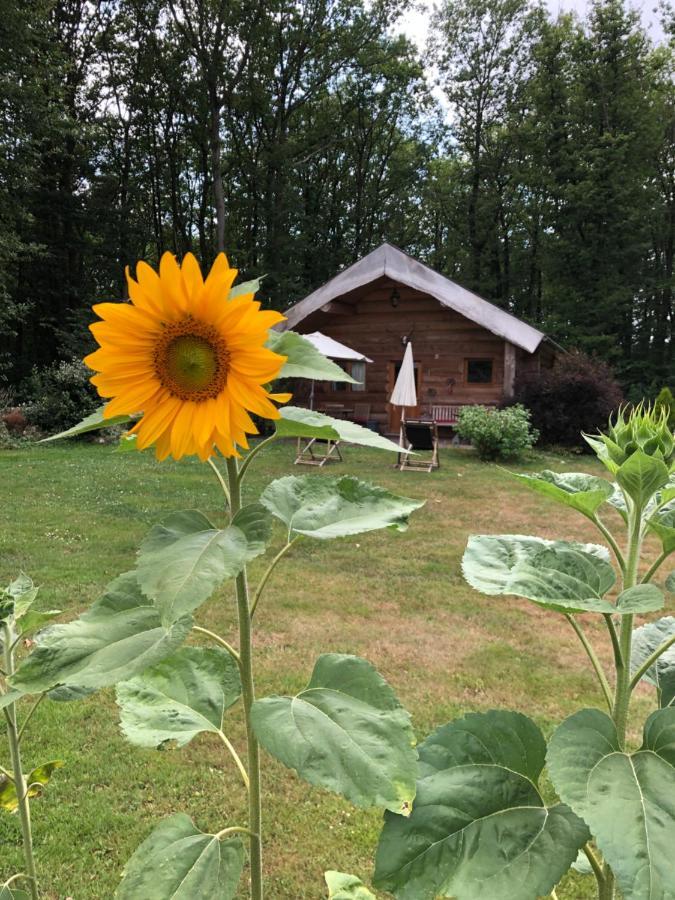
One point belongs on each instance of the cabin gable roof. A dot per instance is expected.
(393, 263)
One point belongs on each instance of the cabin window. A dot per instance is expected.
(358, 373)
(478, 371)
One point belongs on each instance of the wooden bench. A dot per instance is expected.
(446, 415)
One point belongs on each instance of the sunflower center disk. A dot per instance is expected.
(192, 361)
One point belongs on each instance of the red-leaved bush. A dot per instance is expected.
(577, 394)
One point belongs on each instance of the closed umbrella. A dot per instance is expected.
(405, 392)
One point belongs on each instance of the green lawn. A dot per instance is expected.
(72, 517)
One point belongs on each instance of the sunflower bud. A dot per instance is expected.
(645, 428)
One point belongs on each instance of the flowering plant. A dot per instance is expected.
(185, 363)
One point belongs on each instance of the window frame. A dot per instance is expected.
(481, 359)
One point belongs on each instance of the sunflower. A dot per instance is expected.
(192, 361)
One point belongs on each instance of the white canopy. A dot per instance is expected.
(404, 393)
(332, 348)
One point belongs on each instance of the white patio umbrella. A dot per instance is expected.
(405, 393)
(333, 350)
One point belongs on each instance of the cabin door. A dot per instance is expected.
(394, 412)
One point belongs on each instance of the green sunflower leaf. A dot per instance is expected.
(304, 360)
(22, 593)
(323, 507)
(580, 491)
(641, 476)
(181, 697)
(305, 423)
(120, 635)
(479, 827)
(558, 575)
(245, 287)
(661, 674)
(627, 800)
(641, 598)
(663, 525)
(91, 423)
(345, 732)
(345, 887)
(183, 561)
(36, 780)
(180, 862)
(9, 892)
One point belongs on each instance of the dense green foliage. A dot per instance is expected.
(545, 181)
(497, 433)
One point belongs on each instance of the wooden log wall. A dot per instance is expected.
(442, 342)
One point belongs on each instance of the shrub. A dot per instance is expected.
(60, 395)
(578, 394)
(665, 400)
(497, 433)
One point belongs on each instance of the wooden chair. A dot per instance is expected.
(317, 452)
(422, 437)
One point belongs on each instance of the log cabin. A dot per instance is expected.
(466, 350)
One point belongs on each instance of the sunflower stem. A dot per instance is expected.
(248, 697)
(220, 478)
(19, 780)
(253, 453)
(263, 581)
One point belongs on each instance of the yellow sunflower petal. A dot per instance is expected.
(176, 302)
(130, 401)
(150, 284)
(181, 430)
(155, 422)
(192, 276)
(251, 396)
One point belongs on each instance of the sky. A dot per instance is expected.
(415, 22)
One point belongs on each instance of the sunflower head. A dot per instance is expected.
(189, 358)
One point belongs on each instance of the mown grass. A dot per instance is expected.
(72, 516)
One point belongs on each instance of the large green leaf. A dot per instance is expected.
(174, 701)
(627, 800)
(304, 360)
(641, 598)
(345, 732)
(305, 423)
(578, 490)
(22, 593)
(344, 887)
(116, 638)
(324, 507)
(245, 287)
(641, 476)
(10, 697)
(661, 674)
(36, 780)
(559, 575)
(91, 423)
(179, 862)
(663, 525)
(183, 561)
(9, 892)
(479, 827)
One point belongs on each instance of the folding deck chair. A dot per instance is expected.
(317, 452)
(422, 437)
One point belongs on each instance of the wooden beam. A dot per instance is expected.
(509, 369)
(339, 309)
